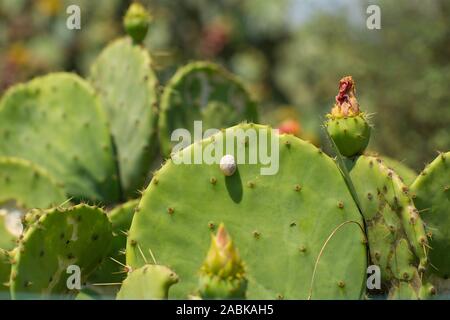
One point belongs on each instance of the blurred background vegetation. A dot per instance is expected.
(291, 54)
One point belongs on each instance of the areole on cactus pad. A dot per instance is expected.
(298, 231)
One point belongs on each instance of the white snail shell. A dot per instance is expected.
(228, 165)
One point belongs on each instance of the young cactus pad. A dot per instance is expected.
(23, 186)
(203, 91)
(56, 122)
(79, 236)
(150, 282)
(431, 192)
(346, 124)
(127, 86)
(397, 239)
(281, 222)
(222, 275)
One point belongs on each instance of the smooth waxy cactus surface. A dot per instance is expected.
(77, 236)
(150, 282)
(127, 86)
(280, 222)
(206, 92)
(431, 192)
(56, 122)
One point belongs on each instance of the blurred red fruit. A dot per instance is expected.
(290, 127)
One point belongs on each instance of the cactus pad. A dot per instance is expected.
(397, 239)
(297, 209)
(150, 282)
(431, 191)
(203, 91)
(79, 235)
(56, 122)
(127, 86)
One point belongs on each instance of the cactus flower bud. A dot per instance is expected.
(346, 124)
(222, 272)
(136, 22)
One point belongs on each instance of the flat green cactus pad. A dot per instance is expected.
(280, 222)
(77, 236)
(397, 239)
(203, 91)
(150, 282)
(23, 186)
(110, 271)
(431, 192)
(127, 86)
(56, 122)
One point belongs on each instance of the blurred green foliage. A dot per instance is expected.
(290, 52)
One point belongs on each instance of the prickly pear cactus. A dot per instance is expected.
(5, 270)
(150, 282)
(136, 22)
(346, 124)
(431, 193)
(206, 92)
(222, 275)
(56, 122)
(112, 271)
(299, 230)
(127, 86)
(54, 246)
(23, 186)
(397, 239)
